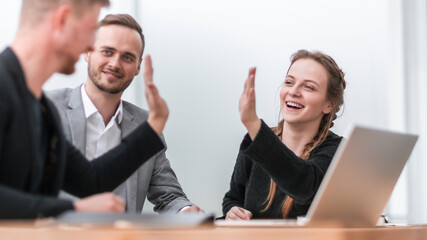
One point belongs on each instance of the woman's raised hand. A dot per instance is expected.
(247, 106)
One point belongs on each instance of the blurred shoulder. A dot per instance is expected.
(135, 111)
(58, 95)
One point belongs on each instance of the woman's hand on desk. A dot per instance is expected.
(104, 202)
(237, 213)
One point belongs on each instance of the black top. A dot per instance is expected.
(36, 161)
(267, 157)
(43, 133)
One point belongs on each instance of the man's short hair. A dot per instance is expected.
(123, 20)
(35, 10)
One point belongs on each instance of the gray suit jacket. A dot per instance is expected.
(155, 179)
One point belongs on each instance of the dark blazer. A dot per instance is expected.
(22, 193)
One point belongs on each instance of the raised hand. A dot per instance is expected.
(238, 213)
(103, 202)
(158, 109)
(247, 106)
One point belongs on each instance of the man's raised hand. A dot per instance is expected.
(158, 109)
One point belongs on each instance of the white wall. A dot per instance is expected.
(9, 20)
(415, 88)
(201, 53)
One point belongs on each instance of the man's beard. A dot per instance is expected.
(95, 77)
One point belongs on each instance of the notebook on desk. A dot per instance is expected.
(134, 220)
(357, 184)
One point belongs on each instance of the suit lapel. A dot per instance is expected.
(127, 125)
(75, 114)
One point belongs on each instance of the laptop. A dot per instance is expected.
(357, 184)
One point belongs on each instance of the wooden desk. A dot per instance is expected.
(28, 231)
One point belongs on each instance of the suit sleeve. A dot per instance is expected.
(236, 194)
(296, 177)
(84, 178)
(164, 190)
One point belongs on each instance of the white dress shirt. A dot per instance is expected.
(101, 138)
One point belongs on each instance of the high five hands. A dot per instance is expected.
(157, 117)
(247, 106)
(158, 109)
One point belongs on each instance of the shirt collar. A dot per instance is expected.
(90, 108)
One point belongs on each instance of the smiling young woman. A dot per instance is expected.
(279, 170)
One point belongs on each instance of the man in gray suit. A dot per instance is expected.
(95, 119)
